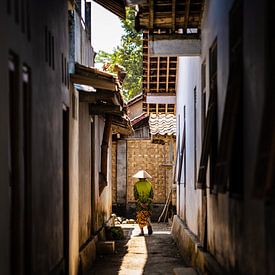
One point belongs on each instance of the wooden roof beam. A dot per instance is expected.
(151, 14)
(101, 109)
(173, 15)
(92, 97)
(94, 82)
(186, 18)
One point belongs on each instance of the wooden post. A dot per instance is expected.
(104, 152)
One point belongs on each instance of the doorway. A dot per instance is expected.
(66, 188)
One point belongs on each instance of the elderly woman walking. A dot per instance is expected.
(143, 193)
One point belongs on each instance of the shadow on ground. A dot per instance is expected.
(155, 254)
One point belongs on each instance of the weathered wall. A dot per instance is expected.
(189, 198)
(84, 164)
(236, 238)
(255, 76)
(48, 93)
(82, 246)
(39, 39)
(74, 185)
(83, 51)
(228, 218)
(101, 202)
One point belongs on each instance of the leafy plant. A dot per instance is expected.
(128, 55)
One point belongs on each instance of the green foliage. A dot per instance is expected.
(114, 233)
(128, 55)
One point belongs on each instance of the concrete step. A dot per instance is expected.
(184, 271)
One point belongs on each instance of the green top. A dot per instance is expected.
(144, 194)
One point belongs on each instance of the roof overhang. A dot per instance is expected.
(122, 125)
(101, 91)
(94, 77)
(115, 6)
(174, 16)
(140, 120)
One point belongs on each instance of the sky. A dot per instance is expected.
(106, 29)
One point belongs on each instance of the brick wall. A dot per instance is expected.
(143, 154)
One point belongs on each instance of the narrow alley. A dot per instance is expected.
(142, 111)
(148, 255)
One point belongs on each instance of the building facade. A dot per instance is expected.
(55, 138)
(221, 101)
(225, 129)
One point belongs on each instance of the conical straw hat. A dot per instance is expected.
(142, 174)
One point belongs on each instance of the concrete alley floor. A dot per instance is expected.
(155, 254)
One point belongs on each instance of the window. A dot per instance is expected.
(182, 152)
(203, 97)
(49, 48)
(64, 71)
(209, 144)
(20, 9)
(26, 101)
(213, 104)
(14, 164)
(230, 158)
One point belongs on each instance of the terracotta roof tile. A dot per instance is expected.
(162, 124)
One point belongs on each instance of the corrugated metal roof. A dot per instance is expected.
(163, 124)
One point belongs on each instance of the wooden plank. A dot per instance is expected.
(176, 80)
(173, 15)
(175, 36)
(99, 109)
(158, 74)
(167, 74)
(79, 69)
(161, 94)
(186, 17)
(148, 68)
(92, 97)
(94, 82)
(206, 145)
(151, 14)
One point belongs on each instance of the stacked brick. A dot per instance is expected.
(142, 154)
